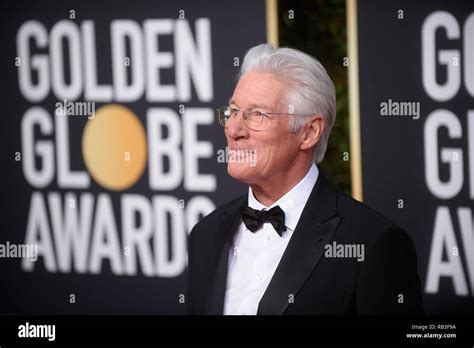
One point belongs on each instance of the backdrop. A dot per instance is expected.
(416, 82)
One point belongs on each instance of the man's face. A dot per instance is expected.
(273, 148)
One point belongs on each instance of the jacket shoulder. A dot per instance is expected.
(363, 222)
(360, 211)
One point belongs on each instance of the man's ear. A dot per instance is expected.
(312, 131)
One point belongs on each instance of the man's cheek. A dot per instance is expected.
(253, 157)
(264, 156)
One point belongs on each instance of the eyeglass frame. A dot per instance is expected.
(245, 115)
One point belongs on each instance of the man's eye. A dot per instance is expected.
(256, 113)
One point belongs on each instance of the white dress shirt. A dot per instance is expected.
(254, 256)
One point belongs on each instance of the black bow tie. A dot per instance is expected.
(253, 219)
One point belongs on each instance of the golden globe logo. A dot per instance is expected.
(108, 143)
(75, 229)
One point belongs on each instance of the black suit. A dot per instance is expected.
(306, 280)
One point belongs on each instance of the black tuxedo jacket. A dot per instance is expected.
(307, 280)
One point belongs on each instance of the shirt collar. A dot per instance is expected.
(292, 202)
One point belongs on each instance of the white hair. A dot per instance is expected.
(308, 88)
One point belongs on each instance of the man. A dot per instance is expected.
(293, 245)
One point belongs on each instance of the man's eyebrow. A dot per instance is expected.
(251, 106)
(261, 106)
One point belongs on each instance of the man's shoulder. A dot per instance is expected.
(365, 222)
(360, 211)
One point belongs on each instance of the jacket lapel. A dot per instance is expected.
(315, 229)
(223, 237)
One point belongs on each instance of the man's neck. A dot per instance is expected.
(274, 189)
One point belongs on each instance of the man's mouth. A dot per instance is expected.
(240, 149)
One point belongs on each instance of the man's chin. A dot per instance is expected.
(240, 172)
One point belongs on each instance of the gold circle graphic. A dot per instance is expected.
(114, 147)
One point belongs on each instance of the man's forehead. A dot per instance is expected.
(256, 90)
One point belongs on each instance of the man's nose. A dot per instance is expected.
(235, 125)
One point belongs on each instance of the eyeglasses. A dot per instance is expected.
(253, 119)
